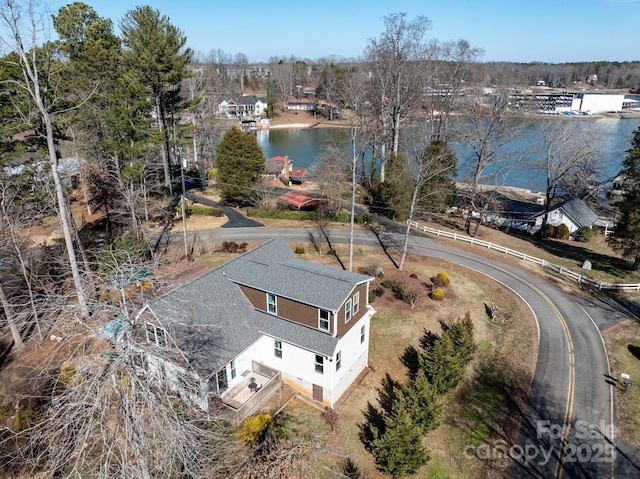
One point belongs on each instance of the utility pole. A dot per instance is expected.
(183, 203)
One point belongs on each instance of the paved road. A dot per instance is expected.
(567, 425)
(235, 219)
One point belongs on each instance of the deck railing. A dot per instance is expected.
(578, 277)
(236, 415)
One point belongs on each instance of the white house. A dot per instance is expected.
(233, 335)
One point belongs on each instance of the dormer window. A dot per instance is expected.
(323, 320)
(156, 335)
(271, 303)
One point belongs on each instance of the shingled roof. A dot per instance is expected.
(212, 321)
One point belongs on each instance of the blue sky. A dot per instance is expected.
(517, 30)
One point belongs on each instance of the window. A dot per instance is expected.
(277, 348)
(319, 364)
(338, 360)
(356, 303)
(140, 361)
(362, 334)
(232, 366)
(347, 311)
(156, 335)
(271, 303)
(323, 323)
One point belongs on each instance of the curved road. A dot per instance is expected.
(568, 426)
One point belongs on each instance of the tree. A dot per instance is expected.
(36, 88)
(486, 130)
(398, 451)
(431, 176)
(395, 59)
(240, 164)
(626, 235)
(155, 50)
(393, 196)
(567, 154)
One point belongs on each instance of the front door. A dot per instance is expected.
(317, 393)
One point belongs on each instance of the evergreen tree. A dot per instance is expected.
(421, 399)
(240, 164)
(626, 236)
(398, 451)
(393, 196)
(155, 50)
(442, 366)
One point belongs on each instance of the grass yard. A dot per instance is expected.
(488, 405)
(623, 345)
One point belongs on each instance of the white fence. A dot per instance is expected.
(580, 278)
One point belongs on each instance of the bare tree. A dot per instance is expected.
(486, 130)
(395, 60)
(31, 85)
(281, 79)
(107, 413)
(567, 154)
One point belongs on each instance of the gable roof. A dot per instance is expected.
(578, 211)
(211, 320)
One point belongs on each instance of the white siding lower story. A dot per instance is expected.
(298, 365)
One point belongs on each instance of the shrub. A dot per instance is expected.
(413, 275)
(331, 416)
(411, 297)
(437, 294)
(299, 249)
(387, 283)
(562, 232)
(398, 288)
(548, 230)
(233, 247)
(254, 427)
(372, 296)
(331, 252)
(22, 419)
(444, 278)
(379, 291)
(586, 233)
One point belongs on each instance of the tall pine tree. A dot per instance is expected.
(626, 236)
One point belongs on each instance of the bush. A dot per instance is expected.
(379, 291)
(201, 210)
(387, 283)
(562, 232)
(233, 247)
(299, 250)
(398, 289)
(586, 233)
(444, 278)
(548, 231)
(331, 416)
(437, 294)
(371, 297)
(411, 297)
(254, 427)
(22, 419)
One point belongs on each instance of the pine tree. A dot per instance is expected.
(420, 398)
(399, 451)
(240, 164)
(442, 366)
(626, 236)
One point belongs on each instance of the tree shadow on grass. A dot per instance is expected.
(574, 251)
(635, 350)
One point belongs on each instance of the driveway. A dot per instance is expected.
(235, 219)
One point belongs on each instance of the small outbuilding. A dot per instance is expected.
(301, 200)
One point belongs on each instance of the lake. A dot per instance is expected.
(304, 147)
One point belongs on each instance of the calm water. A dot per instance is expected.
(304, 147)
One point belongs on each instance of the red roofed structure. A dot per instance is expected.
(302, 200)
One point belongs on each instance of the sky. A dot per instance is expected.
(550, 31)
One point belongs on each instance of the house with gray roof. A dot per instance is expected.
(573, 212)
(232, 336)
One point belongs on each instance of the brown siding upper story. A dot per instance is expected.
(286, 308)
(343, 326)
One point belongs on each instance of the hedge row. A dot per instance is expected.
(201, 210)
(305, 215)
